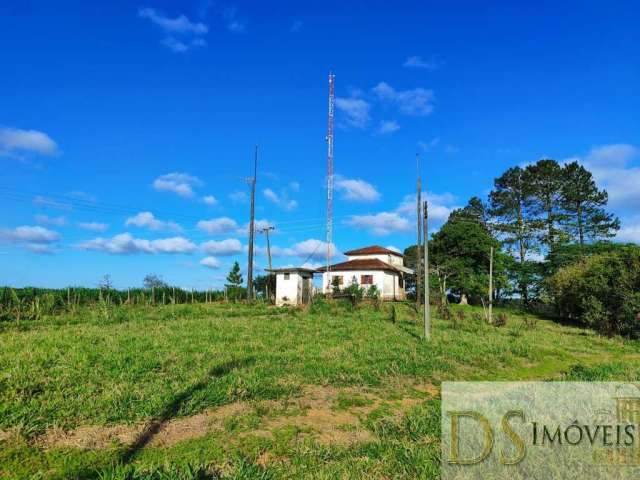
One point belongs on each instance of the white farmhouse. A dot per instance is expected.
(294, 286)
(368, 266)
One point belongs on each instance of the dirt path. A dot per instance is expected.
(326, 414)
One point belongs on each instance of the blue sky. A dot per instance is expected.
(127, 130)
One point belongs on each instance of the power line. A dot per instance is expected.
(65, 203)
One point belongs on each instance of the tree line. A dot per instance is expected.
(538, 219)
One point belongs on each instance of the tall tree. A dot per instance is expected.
(153, 281)
(475, 211)
(584, 205)
(545, 182)
(461, 248)
(234, 279)
(511, 201)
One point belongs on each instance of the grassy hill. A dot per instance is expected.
(237, 391)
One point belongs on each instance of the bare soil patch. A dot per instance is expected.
(315, 413)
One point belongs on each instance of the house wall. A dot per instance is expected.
(387, 282)
(288, 291)
(386, 258)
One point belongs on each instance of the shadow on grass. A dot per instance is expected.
(171, 410)
(406, 327)
(157, 424)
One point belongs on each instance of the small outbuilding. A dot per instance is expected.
(294, 286)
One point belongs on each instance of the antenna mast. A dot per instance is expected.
(330, 179)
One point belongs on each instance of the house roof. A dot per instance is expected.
(291, 270)
(373, 250)
(361, 264)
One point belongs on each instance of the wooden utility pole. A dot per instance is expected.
(491, 286)
(252, 182)
(427, 307)
(419, 230)
(266, 230)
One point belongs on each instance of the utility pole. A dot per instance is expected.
(491, 286)
(252, 182)
(427, 307)
(265, 230)
(419, 230)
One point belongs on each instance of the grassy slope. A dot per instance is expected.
(122, 367)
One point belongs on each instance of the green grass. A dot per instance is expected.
(123, 366)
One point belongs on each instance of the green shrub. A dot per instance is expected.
(373, 292)
(601, 292)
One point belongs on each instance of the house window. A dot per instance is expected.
(366, 279)
(286, 276)
(401, 281)
(337, 280)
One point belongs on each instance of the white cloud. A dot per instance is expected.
(181, 46)
(239, 197)
(630, 231)
(14, 141)
(47, 220)
(33, 238)
(209, 200)
(180, 24)
(410, 102)
(393, 248)
(307, 249)
(440, 205)
(173, 245)
(356, 111)
(419, 62)
(30, 235)
(41, 201)
(356, 189)
(258, 225)
(450, 149)
(181, 33)
(388, 126)
(613, 170)
(180, 183)
(230, 246)
(382, 223)
(426, 146)
(210, 262)
(614, 155)
(40, 248)
(280, 200)
(148, 220)
(125, 244)
(313, 265)
(234, 25)
(218, 225)
(93, 226)
(294, 186)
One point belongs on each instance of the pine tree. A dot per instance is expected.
(583, 203)
(545, 182)
(234, 279)
(511, 202)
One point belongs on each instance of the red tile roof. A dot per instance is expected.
(361, 264)
(373, 250)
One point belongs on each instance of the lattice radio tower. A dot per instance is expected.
(330, 179)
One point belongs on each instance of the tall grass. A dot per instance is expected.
(32, 303)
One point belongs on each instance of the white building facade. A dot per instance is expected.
(369, 266)
(294, 286)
